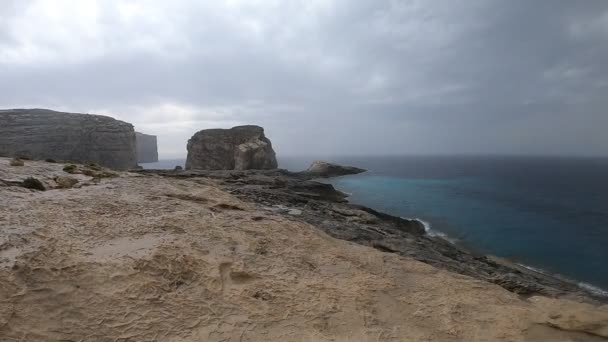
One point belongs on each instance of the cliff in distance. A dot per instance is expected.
(43, 134)
(147, 148)
(238, 148)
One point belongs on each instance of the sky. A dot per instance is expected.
(329, 77)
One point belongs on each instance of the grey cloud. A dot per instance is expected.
(340, 77)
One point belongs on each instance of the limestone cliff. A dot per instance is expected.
(147, 149)
(42, 134)
(238, 148)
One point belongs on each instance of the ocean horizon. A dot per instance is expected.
(549, 214)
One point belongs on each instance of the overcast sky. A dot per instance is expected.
(323, 77)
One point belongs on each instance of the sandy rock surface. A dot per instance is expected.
(147, 258)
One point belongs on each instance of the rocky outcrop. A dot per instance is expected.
(238, 148)
(147, 149)
(43, 134)
(324, 169)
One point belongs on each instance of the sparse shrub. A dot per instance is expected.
(94, 166)
(71, 168)
(88, 172)
(16, 162)
(50, 160)
(107, 174)
(98, 174)
(33, 183)
(24, 158)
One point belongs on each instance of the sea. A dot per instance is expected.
(549, 214)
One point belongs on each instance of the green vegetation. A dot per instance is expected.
(94, 166)
(71, 168)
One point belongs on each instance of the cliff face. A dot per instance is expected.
(41, 134)
(238, 148)
(147, 149)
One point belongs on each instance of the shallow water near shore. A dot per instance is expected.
(550, 214)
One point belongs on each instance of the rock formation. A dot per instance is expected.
(41, 134)
(238, 148)
(147, 149)
(324, 169)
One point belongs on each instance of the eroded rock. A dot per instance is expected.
(238, 148)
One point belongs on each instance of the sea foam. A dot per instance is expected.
(434, 233)
(585, 286)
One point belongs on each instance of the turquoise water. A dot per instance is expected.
(547, 213)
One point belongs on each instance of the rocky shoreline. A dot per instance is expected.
(90, 254)
(298, 196)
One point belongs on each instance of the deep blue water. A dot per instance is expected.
(548, 213)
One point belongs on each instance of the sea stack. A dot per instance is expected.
(147, 148)
(42, 134)
(238, 148)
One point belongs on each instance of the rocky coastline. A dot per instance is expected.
(91, 254)
(297, 195)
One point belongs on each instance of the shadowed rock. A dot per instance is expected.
(238, 148)
(43, 134)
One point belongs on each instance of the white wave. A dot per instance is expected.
(593, 289)
(434, 233)
(537, 270)
(587, 287)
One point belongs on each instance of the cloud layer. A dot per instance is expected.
(323, 77)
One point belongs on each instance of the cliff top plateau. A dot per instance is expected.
(211, 256)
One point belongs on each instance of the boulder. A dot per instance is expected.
(65, 182)
(43, 134)
(147, 148)
(238, 148)
(324, 169)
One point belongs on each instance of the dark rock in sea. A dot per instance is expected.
(178, 168)
(238, 148)
(43, 134)
(323, 169)
(147, 148)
